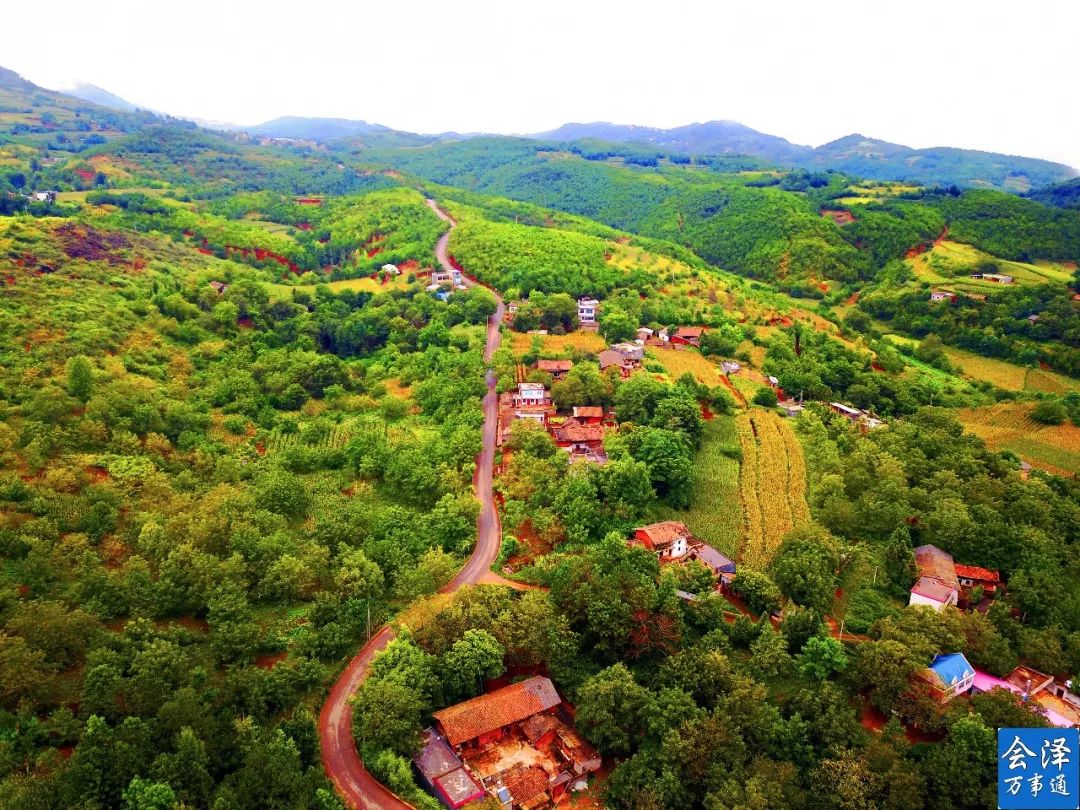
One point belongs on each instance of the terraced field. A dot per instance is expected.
(772, 485)
(951, 262)
(680, 361)
(1009, 376)
(1009, 426)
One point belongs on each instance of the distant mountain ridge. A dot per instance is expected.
(98, 95)
(855, 154)
(314, 129)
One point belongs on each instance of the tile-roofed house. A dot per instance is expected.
(485, 717)
(688, 336)
(971, 576)
(670, 539)
(950, 675)
(933, 562)
(556, 368)
(589, 413)
(527, 786)
(933, 593)
(540, 729)
(576, 750)
(943, 295)
(219, 286)
(629, 351)
(730, 367)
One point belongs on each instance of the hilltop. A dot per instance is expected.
(855, 154)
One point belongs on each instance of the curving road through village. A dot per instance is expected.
(354, 783)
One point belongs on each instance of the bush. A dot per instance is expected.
(765, 397)
(1050, 412)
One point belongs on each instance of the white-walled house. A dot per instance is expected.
(587, 309)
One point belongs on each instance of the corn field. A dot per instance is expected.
(334, 439)
(772, 485)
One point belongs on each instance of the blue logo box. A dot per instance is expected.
(1038, 768)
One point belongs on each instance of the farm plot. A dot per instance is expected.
(310, 436)
(677, 362)
(772, 485)
(521, 342)
(1009, 376)
(714, 514)
(1009, 426)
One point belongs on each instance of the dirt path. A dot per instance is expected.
(354, 783)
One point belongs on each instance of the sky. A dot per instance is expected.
(999, 76)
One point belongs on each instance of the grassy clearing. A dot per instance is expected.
(951, 262)
(772, 485)
(521, 342)
(1009, 426)
(714, 514)
(365, 284)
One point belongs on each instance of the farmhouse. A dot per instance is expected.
(937, 586)
(971, 576)
(618, 357)
(644, 333)
(442, 275)
(589, 414)
(219, 287)
(858, 417)
(512, 743)
(391, 270)
(791, 407)
(43, 196)
(442, 774)
(672, 541)
(558, 369)
(993, 278)
(687, 336)
(531, 394)
(730, 367)
(581, 440)
(943, 295)
(587, 309)
(948, 676)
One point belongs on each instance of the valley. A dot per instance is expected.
(711, 448)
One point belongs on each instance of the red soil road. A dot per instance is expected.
(354, 783)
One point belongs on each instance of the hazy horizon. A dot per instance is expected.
(781, 68)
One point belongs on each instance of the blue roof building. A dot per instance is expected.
(950, 675)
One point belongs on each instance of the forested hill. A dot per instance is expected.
(855, 154)
(775, 226)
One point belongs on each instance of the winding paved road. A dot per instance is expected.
(359, 789)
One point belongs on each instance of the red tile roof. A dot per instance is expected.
(588, 412)
(579, 433)
(554, 365)
(689, 332)
(975, 572)
(524, 783)
(661, 535)
(511, 704)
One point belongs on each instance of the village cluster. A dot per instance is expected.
(944, 583)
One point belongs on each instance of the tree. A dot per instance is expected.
(612, 708)
(142, 794)
(387, 716)
(23, 671)
(616, 326)
(805, 567)
(358, 577)
(282, 492)
(80, 378)
(471, 660)
(757, 590)
(765, 397)
(964, 766)
(1050, 412)
(821, 657)
(680, 412)
(769, 656)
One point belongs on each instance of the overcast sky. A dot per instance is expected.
(992, 75)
